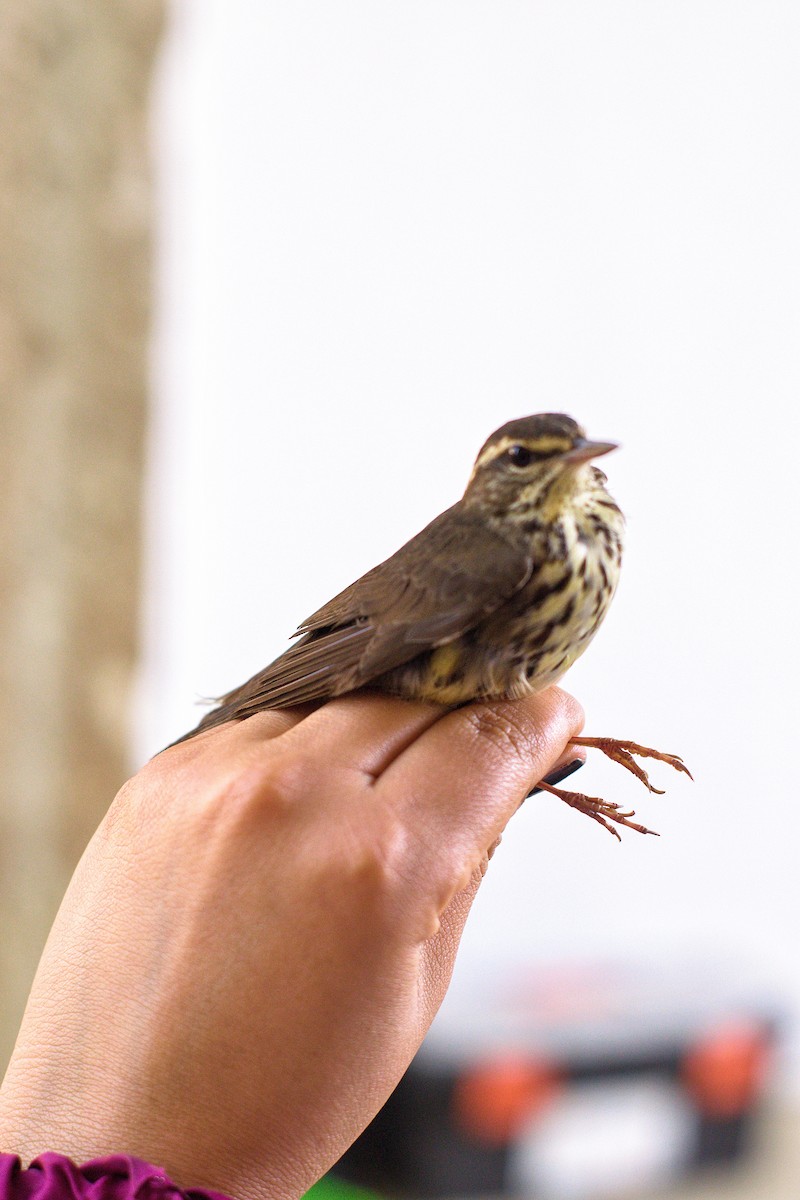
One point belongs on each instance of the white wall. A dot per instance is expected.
(389, 227)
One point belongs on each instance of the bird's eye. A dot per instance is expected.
(520, 456)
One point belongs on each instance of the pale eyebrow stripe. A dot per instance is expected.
(541, 445)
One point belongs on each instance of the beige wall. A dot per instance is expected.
(74, 312)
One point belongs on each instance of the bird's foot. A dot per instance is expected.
(602, 811)
(623, 753)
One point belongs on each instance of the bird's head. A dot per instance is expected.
(535, 465)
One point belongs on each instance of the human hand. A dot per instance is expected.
(260, 932)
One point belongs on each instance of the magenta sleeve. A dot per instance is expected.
(115, 1177)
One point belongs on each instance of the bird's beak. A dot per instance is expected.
(584, 450)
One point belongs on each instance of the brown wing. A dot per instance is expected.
(434, 588)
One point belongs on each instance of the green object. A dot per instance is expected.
(331, 1188)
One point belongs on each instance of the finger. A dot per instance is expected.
(461, 780)
(262, 726)
(439, 952)
(365, 731)
(272, 722)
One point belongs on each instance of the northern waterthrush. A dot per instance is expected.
(497, 597)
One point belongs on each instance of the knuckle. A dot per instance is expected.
(257, 786)
(141, 798)
(379, 856)
(124, 805)
(385, 881)
(271, 784)
(400, 883)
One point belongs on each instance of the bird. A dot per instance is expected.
(496, 598)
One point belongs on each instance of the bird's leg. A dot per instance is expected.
(623, 752)
(602, 811)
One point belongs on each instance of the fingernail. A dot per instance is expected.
(559, 776)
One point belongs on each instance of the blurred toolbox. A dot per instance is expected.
(574, 1081)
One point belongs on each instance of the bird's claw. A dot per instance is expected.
(604, 812)
(623, 752)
